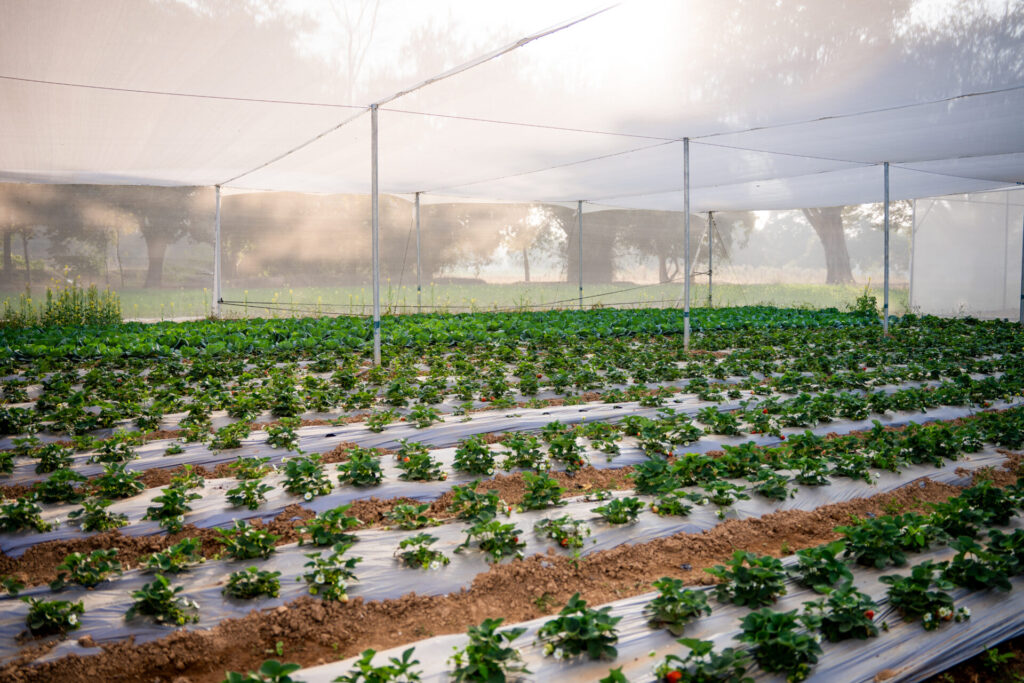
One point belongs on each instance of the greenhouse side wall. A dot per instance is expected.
(967, 254)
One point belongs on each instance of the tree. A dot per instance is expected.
(828, 224)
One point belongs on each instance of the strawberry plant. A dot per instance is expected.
(395, 671)
(251, 468)
(377, 421)
(415, 551)
(474, 456)
(496, 539)
(922, 595)
(523, 453)
(305, 476)
(620, 510)
(329, 527)
(416, 463)
(874, 542)
(171, 506)
(162, 603)
(675, 606)
(410, 516)
(328, 576)
(52, 457)
(566, 531)
(723, 494)
(810, 471)
(777, 644)
(270, 671)
(230, 436)
(997, 503)
(579, 629)
(114, 449)
(186, 479)
(749, 580)
(718, 422)
(467, 503)
(853, 466)
(487, 656)
(603, 436)
(362, 468)
(703, 665)
(977, 568)
(820, 567)
(86, 570)
(250, 493)
(672, 503)
(957, 517)
(118, 482)
(20, 514)
(564, 448)
(283, 435)
(94, 516)
(51, 617)
(60, 487)
(174, 449)
(177, 558)
(771, 484)
(844, 613)
(247, 542)
(250, 583)
(1009, 546)
(422, 416)
(542, 491)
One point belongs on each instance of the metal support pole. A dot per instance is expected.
(686, 244)
(913, 240)
(885, 305)
(579, 217)
(1021, 318)
(711, 249)
(374, 228)
(419, 263)
(215, 304)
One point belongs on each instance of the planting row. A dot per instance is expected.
(418, 472)
(816, 616)
(493, 532)
(76, 400)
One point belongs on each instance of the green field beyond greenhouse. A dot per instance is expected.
(852, 497)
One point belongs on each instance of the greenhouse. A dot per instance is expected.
(379, 340)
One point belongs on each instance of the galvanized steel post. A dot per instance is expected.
(885, 305)
(374, 226)
(579, 218)
(215, 304)
(685, 270)
(419, 263)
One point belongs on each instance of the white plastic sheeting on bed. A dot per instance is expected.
(381, 577)
(214, 510)
(905, 653)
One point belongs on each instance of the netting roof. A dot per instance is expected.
(787, 104)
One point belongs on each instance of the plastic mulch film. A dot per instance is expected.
(904, 653)
(380, 576)
(213, 510)
(449, 432)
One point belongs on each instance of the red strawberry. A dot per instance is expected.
(765, 411)
(674, 676)
(870, 614)
(783, 437)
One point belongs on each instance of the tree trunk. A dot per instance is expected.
(828, 224)
(8, 265)
(28, 264)
(156, 249)
(526, 265)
